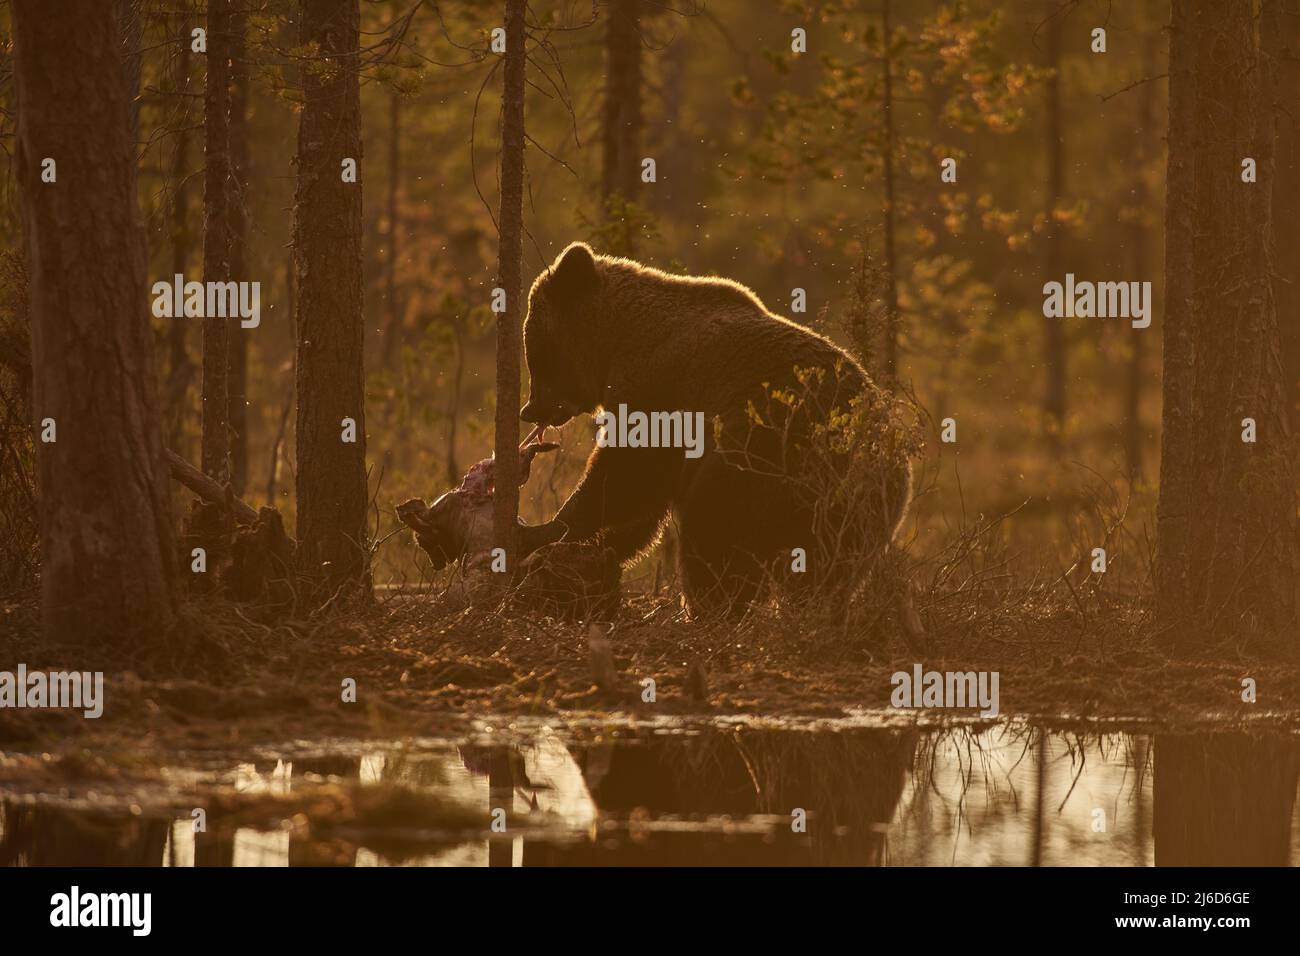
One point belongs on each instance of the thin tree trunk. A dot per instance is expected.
(1138, 268)
(1137, 359)
(1054, 342)
(180, 369)
(394, 330)
(107, 549)
(331, 485)
(278, 444)
(620, 171)
(505, 510)
(237, 387)
(453, 410)
(1173, 520)
(891, 208)
(216, 241)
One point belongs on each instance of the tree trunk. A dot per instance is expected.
(278, 443)
(1054, 341)
(891, 209)
(216, 240)
(1283, 48)
(453, 403)
(505, 511)
(1231, 556)
(1173, 588)
(331, 477)
(179, 367)
(1138, 238)
(107, 548)
(394, 330)
(237, 394)
(620, 171)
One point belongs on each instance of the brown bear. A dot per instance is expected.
(799, 473)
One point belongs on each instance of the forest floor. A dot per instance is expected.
(424, 668)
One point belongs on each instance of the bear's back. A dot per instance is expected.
(706, 344)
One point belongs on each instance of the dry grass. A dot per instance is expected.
(425, 665)
(1067, 642)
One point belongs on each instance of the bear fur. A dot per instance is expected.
(603, 331)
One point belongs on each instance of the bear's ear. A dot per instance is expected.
(574, 272)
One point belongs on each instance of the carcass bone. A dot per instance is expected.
(459, 524)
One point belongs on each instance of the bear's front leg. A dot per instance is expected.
(530, 537)
(622, 499)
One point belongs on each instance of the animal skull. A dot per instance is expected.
(459, 524)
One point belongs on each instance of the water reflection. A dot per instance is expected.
(47, 835)
(1002, 795)
(1226, 801)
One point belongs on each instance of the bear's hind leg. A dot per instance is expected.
(716, 581)
(728, 524)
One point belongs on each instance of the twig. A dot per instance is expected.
(1133, 85)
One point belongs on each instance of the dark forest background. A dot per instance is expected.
(818, 171)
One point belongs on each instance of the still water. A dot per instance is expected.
(1006, 794)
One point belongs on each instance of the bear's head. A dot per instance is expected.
(559, 339)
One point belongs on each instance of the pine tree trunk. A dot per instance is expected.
(278, 443)
(107, 548)
(179, 367)
(1173, 520)
(505, 510)
(1238, 564)
(453, 402)
(1138, 238)
(1054, 341)
(393, 332)
(237, 386)
(620, 170)
(891, 208)
(1282, 45)
(331, 476)
(216, 240)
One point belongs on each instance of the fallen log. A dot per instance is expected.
(248, 548)
(208, 489)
